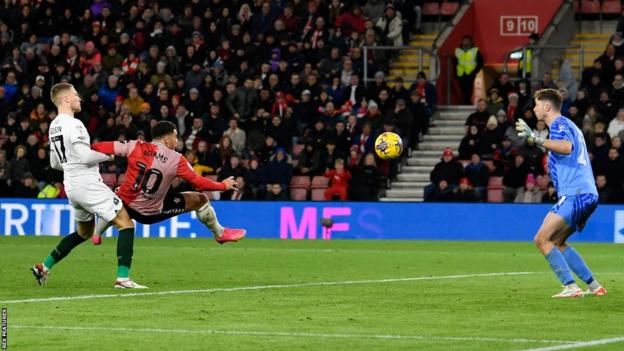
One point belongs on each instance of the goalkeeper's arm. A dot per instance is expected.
(559, 146)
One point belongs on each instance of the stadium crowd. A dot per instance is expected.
(260, 90)
(491, 147)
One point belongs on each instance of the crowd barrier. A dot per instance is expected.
(351, 220)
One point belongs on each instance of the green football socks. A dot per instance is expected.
(125, 244)
(63, 249)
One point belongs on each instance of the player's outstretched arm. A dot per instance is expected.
(116, 148)
(186, 172)
(88, 156)
(558, 146)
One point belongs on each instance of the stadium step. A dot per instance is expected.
(446, 130)
(417, 169)
(443, 137)
(593, 43)
(423, 161)
(402, 185)
(413, 177)
(407, 65)
(405, 193)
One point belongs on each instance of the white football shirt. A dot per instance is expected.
(65, 131)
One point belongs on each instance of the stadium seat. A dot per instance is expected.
(611, 6)
(431, 9)
(590, 6)
(319, 182)
(449, 8)
(298, 194)
(577, 7)
(495, 183)
(300, 182)
(297, 148)
(110, 179)
(495, 195)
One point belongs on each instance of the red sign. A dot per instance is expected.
(518, 25)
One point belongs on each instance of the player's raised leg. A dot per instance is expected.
(551, 228)
(196, 201)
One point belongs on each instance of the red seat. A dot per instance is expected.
(319, 182)
(611, 6)
(431, 9)
(449, 8)
(577, 6)
(495, 195)
(318, 194)
(590, 6)
(495, 183)
(300, 182)
(298, 194)
(110, 179)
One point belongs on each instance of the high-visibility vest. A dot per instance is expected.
(529, 59)
(49, 192)
(466, 61)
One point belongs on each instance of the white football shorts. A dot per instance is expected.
(94, 199)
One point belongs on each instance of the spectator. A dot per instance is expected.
(391, 26)
(495, 101)
(278, 170)
(606, 194)
(242, 103)
(442, 193)
(339, 181)
(255, 179)
(244, 192)
(479, 117)
(491, 138)
(550, 196)
(276, 193)
(469, 63)
(309, 161)
(365, 181)
(26, 187)
(374, 9)
(444, 177)
(52, 191)
(237, 135)
(515, 178)
(478, 175)
(470, 144)
(18, 167)
(529, 193)
(464, 192)
(616, 126)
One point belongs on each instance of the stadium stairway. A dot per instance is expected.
(406, 66)
(448, 132)
(592, 40)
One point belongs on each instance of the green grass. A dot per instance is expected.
(493, 312)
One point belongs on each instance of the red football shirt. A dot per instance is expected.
(151, 169)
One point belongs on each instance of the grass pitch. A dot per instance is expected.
(268, 295)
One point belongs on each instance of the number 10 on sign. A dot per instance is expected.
(518, 25)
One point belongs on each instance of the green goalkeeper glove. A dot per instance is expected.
(524, 131)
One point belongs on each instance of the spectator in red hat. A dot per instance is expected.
(445, 174)
(464, 192)
(90, 56)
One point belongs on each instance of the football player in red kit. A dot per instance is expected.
(152, 166)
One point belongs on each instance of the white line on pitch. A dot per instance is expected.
(263, 287)
(576, 345)
(294, 334)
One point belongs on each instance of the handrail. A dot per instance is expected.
(525, 47)
(422, 50)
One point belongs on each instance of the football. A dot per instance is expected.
(388, 145)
